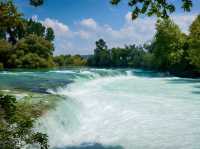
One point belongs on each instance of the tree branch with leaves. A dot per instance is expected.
(160, 8)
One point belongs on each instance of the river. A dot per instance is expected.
(114, 108)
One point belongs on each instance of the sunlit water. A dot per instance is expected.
(120, 108)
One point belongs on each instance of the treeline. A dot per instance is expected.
(129, 56)
(170, 50)
(69, 60)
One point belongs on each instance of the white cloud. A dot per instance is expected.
(89, 23)
(34, 17)
(128, 17)
(82, 39)
(62, 35)
(58, 27)
(184, 21)
(131, 32)
(84, 34)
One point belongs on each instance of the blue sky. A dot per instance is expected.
(79, 23)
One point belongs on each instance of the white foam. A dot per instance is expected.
(63, 71)
(134, 112)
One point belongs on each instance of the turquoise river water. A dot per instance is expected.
(114, 108)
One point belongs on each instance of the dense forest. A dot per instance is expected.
(170, 50)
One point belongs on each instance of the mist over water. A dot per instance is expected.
(120, 109)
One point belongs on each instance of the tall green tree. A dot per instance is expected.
(168, 44)
(10, 22)
(5, 50)
(194, 44)
(101, 54)
(32, 45)
(49, 34)
(119, 57)
(31, 52)
(34, 27)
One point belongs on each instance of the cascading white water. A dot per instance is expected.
(115, 107)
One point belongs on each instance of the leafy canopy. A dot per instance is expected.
(160, 8)
(194, 43)
(167, 43)
(11, 23)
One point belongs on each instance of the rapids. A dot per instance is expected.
(115, 108)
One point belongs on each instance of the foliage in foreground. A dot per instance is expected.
(16, 126)
(160, 8)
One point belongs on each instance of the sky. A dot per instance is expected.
(78, 24)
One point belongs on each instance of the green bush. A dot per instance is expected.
(68, 60)
(16, 126)
(31, 52)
